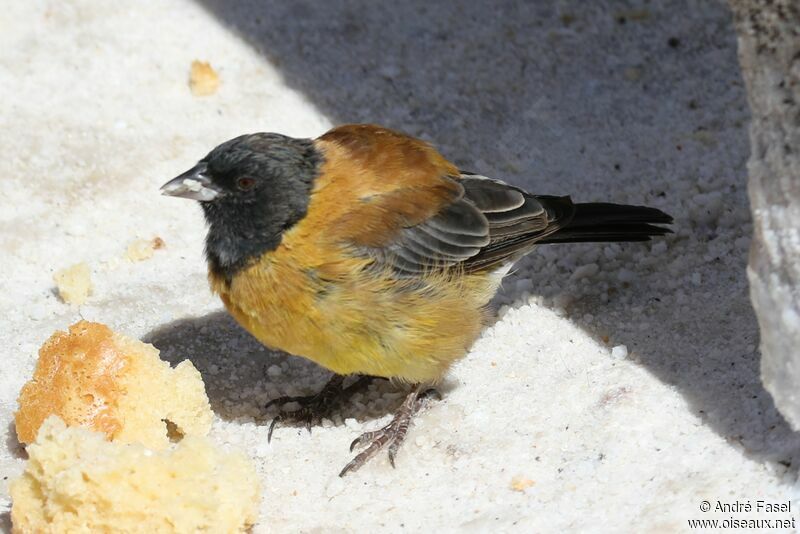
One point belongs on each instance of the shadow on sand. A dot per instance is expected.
(502, 87)
(241, 375)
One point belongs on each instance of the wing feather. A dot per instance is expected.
(411, 210)
(489, 224)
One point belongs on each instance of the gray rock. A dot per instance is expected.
(769, 52)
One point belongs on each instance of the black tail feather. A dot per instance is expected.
(598, 222)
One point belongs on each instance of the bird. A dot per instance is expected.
(368, 252)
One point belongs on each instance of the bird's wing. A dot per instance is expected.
(403, 205)
(516, 219)
(415, 212)
(488, 225)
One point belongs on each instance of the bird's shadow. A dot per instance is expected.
(602, 100)
(241, 375)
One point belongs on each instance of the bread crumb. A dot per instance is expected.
(203, 79)
(94, 377)
(74, 283)
(521, 483)
(143, 249)
(76, 481)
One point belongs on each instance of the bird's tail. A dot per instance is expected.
(597, 222)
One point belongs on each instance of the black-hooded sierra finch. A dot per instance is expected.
(369, 253)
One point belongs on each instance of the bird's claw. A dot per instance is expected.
(392, 434)
(314, 408)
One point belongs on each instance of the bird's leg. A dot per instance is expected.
(313, 408)
(392, 434)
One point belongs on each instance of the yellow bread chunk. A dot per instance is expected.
(94, 377)
(203, 79)
(74, 283)
(77, 482)
(520, 483)
(143, 249)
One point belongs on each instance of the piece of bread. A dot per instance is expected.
(74, 283)
(143, 249)
(93, 377)
(76, 481)
(203, 79)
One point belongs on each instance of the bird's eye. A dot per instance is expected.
(245, 184)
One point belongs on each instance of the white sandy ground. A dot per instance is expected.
(567, 97)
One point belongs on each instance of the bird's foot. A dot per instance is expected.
(313, 408)
(393, 434)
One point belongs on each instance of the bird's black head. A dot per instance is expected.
(252, 189)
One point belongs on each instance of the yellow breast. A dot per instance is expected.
(352, 320)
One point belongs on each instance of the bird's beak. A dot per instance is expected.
(194, 184)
